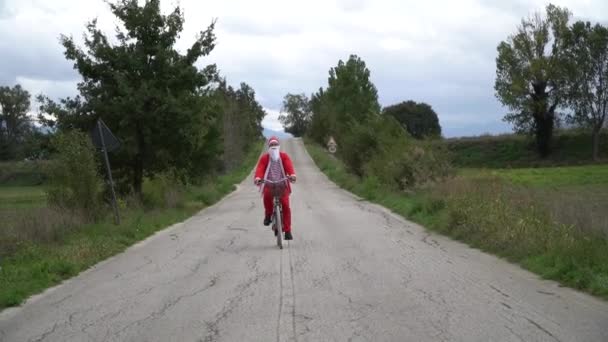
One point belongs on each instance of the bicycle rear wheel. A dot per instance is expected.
(279, 225)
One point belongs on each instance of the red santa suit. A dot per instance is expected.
(262, 171)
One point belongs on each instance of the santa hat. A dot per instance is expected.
(273, 139)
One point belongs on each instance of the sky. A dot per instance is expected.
(439, 52)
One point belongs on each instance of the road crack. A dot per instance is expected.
(213, 331)
(542, 329)
(167, 306)
(515, 334)
(46, 333)
(499, 291)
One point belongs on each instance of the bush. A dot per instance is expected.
(164, 190)
(358, 146)
(394, 157)
(74, 181)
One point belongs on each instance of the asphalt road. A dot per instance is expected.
(354, 272)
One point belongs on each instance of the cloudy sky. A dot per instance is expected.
(439, 52)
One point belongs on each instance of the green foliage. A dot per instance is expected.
(163, 191)
(296, 114)
(350, 98)
(25, 173)
(419, 119)
(570, 148)
(531, 74)
(74, 182)
(588, 81)
(241, 121)
(358, 147)
(14, 123)
(151, 96)
(382, 150)
(372, 146)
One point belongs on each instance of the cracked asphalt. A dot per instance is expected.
(355, 272)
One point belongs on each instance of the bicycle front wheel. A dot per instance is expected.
(279, 226)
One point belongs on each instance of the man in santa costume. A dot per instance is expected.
(276, 165)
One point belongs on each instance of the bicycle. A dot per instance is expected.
(277, 189)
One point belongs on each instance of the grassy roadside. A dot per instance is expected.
(37, 266)
(514, 215)
(570, 147)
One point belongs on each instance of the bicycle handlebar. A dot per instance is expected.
(274, 182)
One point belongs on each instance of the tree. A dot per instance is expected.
(296, 114)
(318, 128)
(588, 91)
(150, 95)
(419, 119)
(531, 72)
(241, 119)
(14, 123)
(350, 98)
(74, 180)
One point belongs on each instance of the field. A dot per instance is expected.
(515, 151)
(22, 197)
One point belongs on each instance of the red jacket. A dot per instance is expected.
(260, 170)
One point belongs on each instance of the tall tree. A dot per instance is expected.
(296, 114)
(588, 91)
(531, 72)
(419, 119)
(14, 123)
(153, 97)
(241, 118)
(350, 98)
(319, 126)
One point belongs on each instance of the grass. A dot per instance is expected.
(38, 264)
(22, 197)
(23, 173)
(554, 223)
(511, 150)
(548, 177)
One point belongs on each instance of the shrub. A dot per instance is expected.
(74, 181)
(402, 163)
(165, 190)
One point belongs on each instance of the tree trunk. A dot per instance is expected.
(544, 133)
(595, 137)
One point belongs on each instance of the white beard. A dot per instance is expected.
(274, 153)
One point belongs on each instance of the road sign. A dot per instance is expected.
(101, 134)
(106, 141)
(331, 145)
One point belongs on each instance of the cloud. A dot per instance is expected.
(271, 121)
(440, 52)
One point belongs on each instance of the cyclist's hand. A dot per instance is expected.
(292, 178)
(257, 181)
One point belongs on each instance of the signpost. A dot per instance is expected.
(106, 141)
(331, 145)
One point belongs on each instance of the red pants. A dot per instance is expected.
(268, 204)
